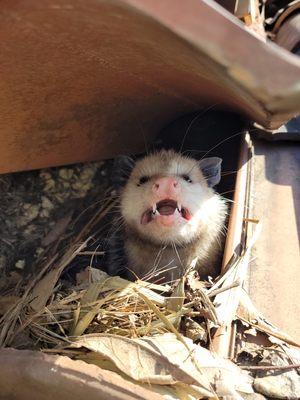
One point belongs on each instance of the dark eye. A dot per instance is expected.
(143, 179)
(187, 178)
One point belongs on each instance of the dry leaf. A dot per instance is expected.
(165, 360)
(44, 288)
(247, 312)
(141, 361)
(211, 367)
(176, 300)
(226, 302)
(83, 277)
(6, 302)
(179, 391)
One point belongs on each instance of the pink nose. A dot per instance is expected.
(166, 187)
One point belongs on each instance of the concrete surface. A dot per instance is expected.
(274, 270)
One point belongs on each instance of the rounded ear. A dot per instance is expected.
(123, 165)
(211, 169)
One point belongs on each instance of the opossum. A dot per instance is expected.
(169, 216)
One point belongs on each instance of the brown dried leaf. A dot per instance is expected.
(43, 290)
(83, 277)
(226, 303)
(164, 360)
(6, 302)
(44, 287)
(247, 312)
(140, 361)
(176, 300)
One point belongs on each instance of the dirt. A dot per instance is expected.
(38, 205)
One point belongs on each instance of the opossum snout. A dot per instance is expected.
(166, 187)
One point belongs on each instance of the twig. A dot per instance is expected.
(270, 332)
(269, 367)
(91, 253)
(223, 289)
(253, 220)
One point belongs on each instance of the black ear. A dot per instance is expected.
(121, 171)
(211, 169)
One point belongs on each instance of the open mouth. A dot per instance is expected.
(165, 208)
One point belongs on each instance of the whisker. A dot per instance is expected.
(225, 140)
(200, 114)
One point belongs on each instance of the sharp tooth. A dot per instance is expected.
(154, 210)
(179, 207)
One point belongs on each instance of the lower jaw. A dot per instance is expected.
(168, 221)
(162, 236)
(166, 230)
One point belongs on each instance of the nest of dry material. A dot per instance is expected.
(46, 312)
(49, 311)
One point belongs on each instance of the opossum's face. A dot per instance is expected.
(168, 197)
